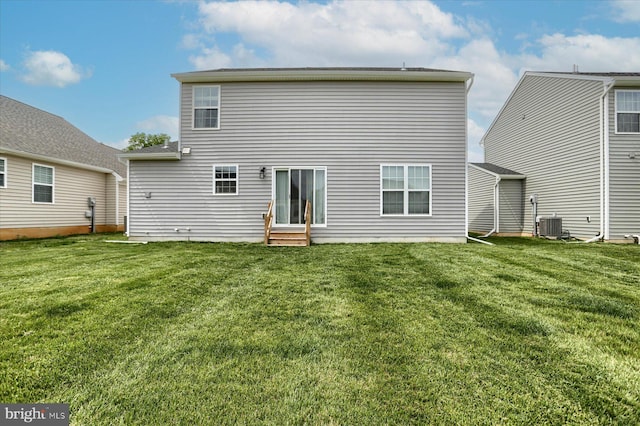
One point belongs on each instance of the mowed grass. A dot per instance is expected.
(524, 332)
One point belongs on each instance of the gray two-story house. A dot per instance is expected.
(379, 155)
(565, 147)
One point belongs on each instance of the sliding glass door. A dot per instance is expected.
(293, 188)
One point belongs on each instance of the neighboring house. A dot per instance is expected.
(48, 170)
(575, 139)
(495, 199)
(379, 153)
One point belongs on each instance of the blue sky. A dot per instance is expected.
(105, 65)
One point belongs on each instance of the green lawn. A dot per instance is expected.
(524, 332)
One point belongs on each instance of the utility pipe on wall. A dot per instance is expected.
(604, 159)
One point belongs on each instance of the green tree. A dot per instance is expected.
(143, 140)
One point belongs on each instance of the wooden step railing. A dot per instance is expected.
(283, 237)
(307, 222)
(268, 222)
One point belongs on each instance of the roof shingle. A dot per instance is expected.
(30, 130)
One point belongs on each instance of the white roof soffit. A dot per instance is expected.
(151, 156)
(500, 175)
(259, 75)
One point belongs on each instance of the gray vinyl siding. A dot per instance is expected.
(511, 206)
(351, 128)
(116, 201)
(481, 200)
(549, 131)
(72, 186)
(624, 179)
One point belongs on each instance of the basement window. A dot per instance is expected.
(627, 111)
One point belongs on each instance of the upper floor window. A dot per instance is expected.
(3, 172)
(406, 190)
(206, 107)
(627, 111)
(225, 179)
(43, 178)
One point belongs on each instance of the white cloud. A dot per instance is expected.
(383, 33)
(474, 135)
(4, 66)
(211, 58)
(591, 52)
(51, 68)
(121, 144)
(493, 78)
(336, 33)
(626, 10)
(160, 124)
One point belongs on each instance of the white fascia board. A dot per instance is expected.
(319, 75)
(46, 159)
(627, 81)
(498, 175)
(571, 76)
(158, 156)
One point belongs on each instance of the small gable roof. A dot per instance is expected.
(154, 152)
(32, 132)
(498, 171)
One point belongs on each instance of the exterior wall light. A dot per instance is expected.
(263, 170)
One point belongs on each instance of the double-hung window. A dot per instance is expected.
(43, 181)
(206, 107)
(225, 180)
(405, 190)
(3, 172)
(627, 111)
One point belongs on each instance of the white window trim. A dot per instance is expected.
(4, 172)
(193, 107)
(615, 114)
(273, 194)
(405, 190)
(52, 185)
(237, 180)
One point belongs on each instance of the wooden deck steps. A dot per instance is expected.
(287, 238)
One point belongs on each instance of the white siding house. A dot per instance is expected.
(379, 153)
(576, 139)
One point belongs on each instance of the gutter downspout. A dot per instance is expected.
(496, 209)
(604, 160)
(466, 156)
(470, 84)
(118, 179)
(126, 231)
(480, 241)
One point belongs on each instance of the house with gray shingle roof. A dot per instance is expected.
(292, 155)
(48, 171)
(574, 140)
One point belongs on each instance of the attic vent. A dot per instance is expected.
(550, 226)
